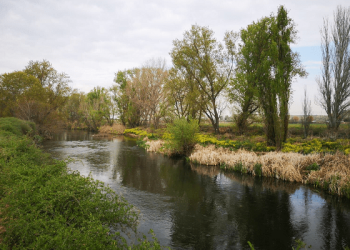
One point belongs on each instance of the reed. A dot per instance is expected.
(333, 174)
(330, 172)
(154, 145)
(116, 129)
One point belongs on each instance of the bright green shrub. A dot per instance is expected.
(183, 135)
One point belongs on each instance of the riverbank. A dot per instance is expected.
(43, 205)
(323, 164)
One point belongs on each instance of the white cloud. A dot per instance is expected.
(91, 40)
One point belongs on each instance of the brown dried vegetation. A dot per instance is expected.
(334, 173)
(116, 129)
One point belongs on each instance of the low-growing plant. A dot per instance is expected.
(223, 165)
(142, 144)
(314, 166)
(258, 169)
(238, 167)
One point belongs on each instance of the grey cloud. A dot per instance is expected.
(91, 40)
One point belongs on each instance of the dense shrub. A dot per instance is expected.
(16, 126)
(43, 206)
(182, 135)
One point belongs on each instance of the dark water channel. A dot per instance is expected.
(200, 207)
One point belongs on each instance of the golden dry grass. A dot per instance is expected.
(116, 129)
(334, 173)
(154, 146)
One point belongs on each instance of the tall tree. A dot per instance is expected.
(334, 82)
(183, 95)
(95, 109)
(306, 118)
(13, 87)
(139, 94)
(209, 63)
(43, 104)
(271, 67)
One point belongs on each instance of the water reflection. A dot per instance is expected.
(200, 207)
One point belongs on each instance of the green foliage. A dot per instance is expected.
(258, 169)
(17, 126)
(251, 246)
(142, 144)
(183, 95)
(43, 206)
(270, 66)
(35, 94)
(300, 244)
(238, 167)
(207, 64)
(137, 131)
(96, 109)
(183, 135)
(233, 144)
(316, 146)
(314, 166)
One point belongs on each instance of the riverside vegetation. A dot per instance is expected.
(43, 205)
(322, 163)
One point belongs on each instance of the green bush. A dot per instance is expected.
(45, 207)
(182, 136)
(17, 126)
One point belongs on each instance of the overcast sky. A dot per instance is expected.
(91, 40)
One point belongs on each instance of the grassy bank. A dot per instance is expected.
(44, 206)
(322, 163)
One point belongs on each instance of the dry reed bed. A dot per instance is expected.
(116, 129)
(154, 145)
(334, 173)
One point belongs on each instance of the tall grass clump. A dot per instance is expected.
(182, 137)
(45, 206)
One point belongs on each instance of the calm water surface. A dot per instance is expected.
(200, 207)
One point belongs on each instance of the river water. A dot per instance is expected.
(201, 207)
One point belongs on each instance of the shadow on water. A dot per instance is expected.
(201, 207)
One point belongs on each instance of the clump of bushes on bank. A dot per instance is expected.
(43, 206)
(181, 136)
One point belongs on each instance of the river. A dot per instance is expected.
(201, 207)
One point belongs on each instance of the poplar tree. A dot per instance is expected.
(270, 66)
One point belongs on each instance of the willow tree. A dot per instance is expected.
(209, 63)
(271, 67)
(184, 98)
